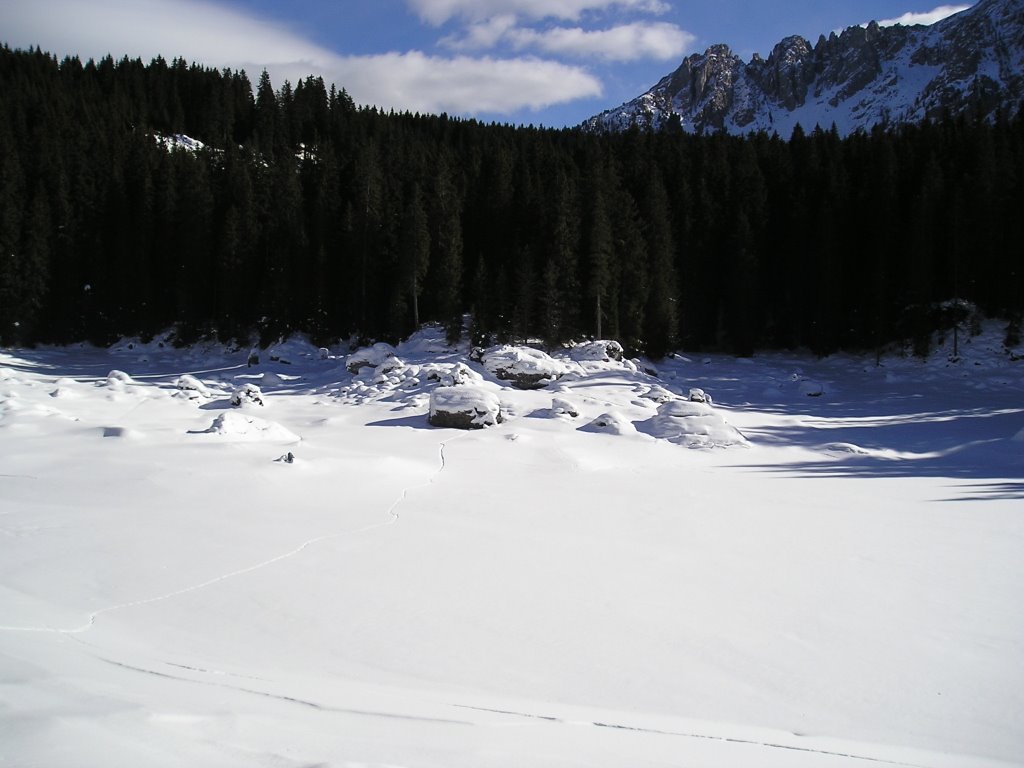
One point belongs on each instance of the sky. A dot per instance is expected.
(539, 62)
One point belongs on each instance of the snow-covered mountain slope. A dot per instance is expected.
(864, 77)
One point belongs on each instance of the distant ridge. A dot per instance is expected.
(864, 77)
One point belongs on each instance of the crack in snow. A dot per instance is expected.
(281, 697)
(688, 735)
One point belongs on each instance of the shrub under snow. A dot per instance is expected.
(191, 386)
(247, 393)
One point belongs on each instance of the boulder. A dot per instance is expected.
(464, 407)
(523, 367)
(380, 356)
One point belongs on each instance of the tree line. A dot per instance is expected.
(304, 212)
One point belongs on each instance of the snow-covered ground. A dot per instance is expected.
(823, 568)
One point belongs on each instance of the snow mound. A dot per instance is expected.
(523, 367)
(605, 351)
(465, 407)
(232, 424)
(117, 380)
(381, 357)
(65, 389)
(191, 387)
(658, 394)
(248, 393)
(563, 407)
(693, 424)
(611, 423)
(295, 349)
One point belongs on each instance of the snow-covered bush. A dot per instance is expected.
(191, 387)
(464, 407)
(523, 367)
(247, 393)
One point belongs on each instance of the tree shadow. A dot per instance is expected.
(974, 444)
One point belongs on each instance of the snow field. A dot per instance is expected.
(841, 588)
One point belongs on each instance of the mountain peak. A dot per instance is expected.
(857, 79)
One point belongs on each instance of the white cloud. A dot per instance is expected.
(482, 35)
(627, 42)
(437, 12)
(216, 36)
(422, 83)
(924, 17)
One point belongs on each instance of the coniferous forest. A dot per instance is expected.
(304, 212)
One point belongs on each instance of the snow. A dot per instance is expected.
(179, 141)
(771, 580)
(480, 407)
(529, 368)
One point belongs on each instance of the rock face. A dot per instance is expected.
(464, 407)
(864, 77)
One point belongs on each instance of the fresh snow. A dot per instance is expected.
(821, 568)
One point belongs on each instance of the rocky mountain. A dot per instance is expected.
(858, 79)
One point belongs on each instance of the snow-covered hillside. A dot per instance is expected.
(819, 567)
(863, 77)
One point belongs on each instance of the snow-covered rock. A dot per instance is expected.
(523, 367)
(465, 407)
(611, 423)
(693, 424)
(562, 407)
(597, 351)
(247, 393)
(381, 357)
(448, 374)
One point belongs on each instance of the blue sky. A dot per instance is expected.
(545, 62)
